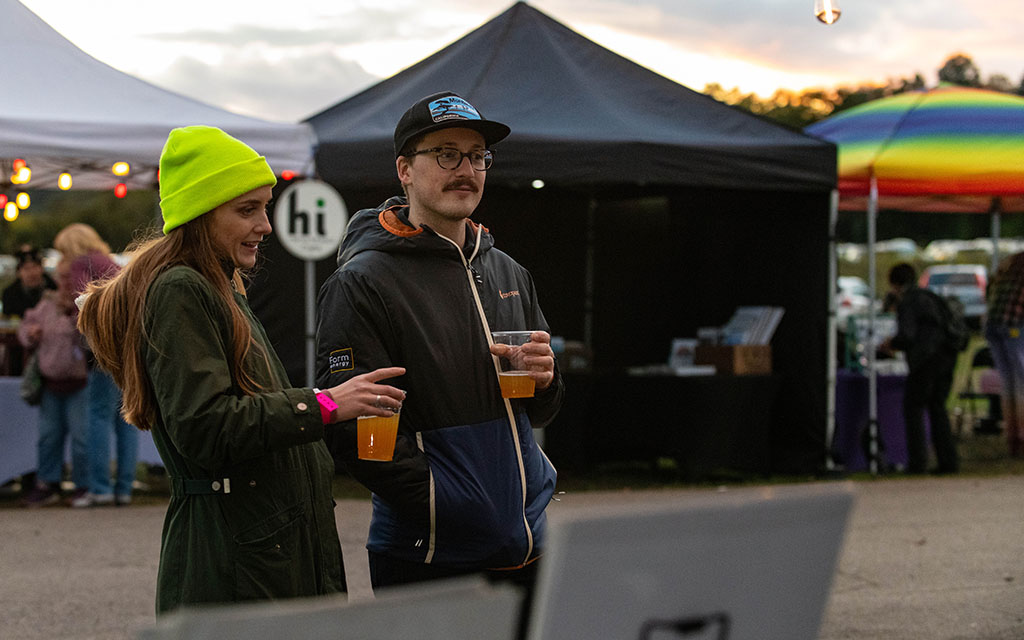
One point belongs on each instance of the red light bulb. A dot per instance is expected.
(287, 174)
(121, 190)
(3, 201)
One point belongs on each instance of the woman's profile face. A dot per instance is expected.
(238, 226)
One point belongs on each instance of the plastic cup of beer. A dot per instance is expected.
(375, 436)
(513, 378)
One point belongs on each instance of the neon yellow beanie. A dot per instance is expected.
(201, 168)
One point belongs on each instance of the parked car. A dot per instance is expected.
(905, 248)
(944, 250)
(965, 282)
(853, 297)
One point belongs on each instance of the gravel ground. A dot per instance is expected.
(929, 559)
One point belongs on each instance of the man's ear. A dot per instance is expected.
(402, 166)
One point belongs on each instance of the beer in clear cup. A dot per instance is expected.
(376, 437)
(513, 378)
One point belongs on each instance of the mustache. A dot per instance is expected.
(459, 184)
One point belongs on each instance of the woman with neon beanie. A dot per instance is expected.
(251, 512)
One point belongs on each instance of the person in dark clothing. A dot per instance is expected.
(421, 285)
(921, 335)
(26, 292)
(23, 294)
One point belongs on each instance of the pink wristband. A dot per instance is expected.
(327, 406)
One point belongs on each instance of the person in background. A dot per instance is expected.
(49, 328)
(90, 260)
(1004, 322)
(921, 335)
(21, 295)
(251, 516)
(27, 290)
(418, 282)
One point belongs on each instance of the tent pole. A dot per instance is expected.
(588, 278)
(995, 236)
(310, 322)
(870, 342)
(832, 341)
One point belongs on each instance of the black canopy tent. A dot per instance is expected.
(662, 209)
(581, 116)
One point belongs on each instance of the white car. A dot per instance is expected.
(853, 298)
(965, 282)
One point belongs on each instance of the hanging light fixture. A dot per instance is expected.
(10, 212)
(22, 200)
(120, 169)
(827, 11)
(64, 181)
(3, 200)
(121, 190)
(22, 175)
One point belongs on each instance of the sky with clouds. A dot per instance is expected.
(288, 60)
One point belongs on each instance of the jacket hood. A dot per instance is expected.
(387, 228)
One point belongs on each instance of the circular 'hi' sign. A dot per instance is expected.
(310, 219)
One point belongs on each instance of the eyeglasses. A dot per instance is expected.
(450, 159)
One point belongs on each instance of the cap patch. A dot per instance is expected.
(452, 108)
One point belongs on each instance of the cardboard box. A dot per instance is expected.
(738, 360)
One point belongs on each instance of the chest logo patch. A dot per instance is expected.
(341, 360)
(508, 294)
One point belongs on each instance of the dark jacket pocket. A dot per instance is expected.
(275, 556)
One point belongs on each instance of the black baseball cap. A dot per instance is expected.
(442, 111)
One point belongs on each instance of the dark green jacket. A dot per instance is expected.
(251, 514)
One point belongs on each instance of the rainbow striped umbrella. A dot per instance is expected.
(945, 149)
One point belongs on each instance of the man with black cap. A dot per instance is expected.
(422, 286)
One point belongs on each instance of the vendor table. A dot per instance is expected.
(19, 431)
(850, 440)
(705, 423)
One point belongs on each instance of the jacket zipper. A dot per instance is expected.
(513, 424)
(433, 510)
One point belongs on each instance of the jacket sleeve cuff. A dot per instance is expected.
(309, 423)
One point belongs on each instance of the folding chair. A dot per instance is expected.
(975, 389)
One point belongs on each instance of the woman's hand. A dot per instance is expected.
(362, 396)
(534, 357)
(34, 333)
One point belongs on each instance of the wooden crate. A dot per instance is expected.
(737, 360)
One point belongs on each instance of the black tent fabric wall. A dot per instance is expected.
(700, 207)
(669, 262)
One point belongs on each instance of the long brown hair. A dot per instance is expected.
(112, 317)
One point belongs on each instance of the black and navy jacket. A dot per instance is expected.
(468, 484)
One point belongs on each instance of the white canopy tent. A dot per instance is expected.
(63, 110)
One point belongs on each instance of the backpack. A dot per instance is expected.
(952, 321)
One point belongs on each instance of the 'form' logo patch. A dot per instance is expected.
(341, 360)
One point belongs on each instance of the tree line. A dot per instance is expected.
(798, 109)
